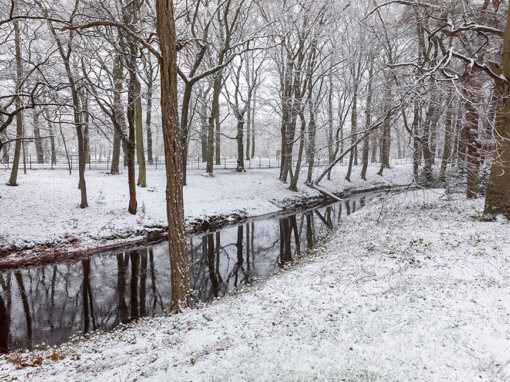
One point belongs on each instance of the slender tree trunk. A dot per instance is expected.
(368, 121)
(13, 180)
(148, 117)
(294, 175)
(473, 148)
(248, 129)
(213, 136)
(68, 157)
(354, 128)
(386, 133)
(186, 100)
(120, 122)
(240, 143)
(52, 138)
(425, 143)
(203, 125)
(216, 116)
(77, 112)
(447, 146)
(37, 135)
(86, 122)
(253, 109)
(140, 151)
(131, 145)
(331, 149)
(312, 129)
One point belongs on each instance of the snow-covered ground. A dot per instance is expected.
(44, 208)
(414, 287)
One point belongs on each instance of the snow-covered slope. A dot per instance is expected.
(414, 287)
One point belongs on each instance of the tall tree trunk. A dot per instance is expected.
(331, 149)
(386, 132)
(497, 200)
(131, 145)
(77, 112)
(368, 121)
(148, 116)
(473, 147)
(13, 180)
(37, 135)
(140, 152)
(253, 109)
(120, 122)
(240, 143)
(213, 136)
(86, 128)
(431, 114)
(248, 129)
(203, 124)
(179, 266)
(312, 129)
(52, 137)
(354, 128)
(215, 116)
(186, 100)
(294, 175)
(416, 141)
(447, 145)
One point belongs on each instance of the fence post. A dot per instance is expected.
(260, 163)
(269, 165)
(198, 162)
(30, 156)
(156, 163)
(225, 162)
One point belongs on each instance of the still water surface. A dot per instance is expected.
(48, 304)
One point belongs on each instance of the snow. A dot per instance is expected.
(413, 287)
(44, 208)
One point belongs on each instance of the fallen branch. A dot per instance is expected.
(323, 191)
(360, 138)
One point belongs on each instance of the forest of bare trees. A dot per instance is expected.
(358, 83)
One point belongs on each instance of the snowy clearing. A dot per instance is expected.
(44, 208)
(414, 287)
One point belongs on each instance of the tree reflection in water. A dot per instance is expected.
(94, 293)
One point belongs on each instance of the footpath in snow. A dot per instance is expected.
(413, 287)
(44, 209)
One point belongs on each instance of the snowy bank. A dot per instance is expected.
(414, 287)
(43, 210)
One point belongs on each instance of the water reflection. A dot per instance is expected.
(50, 303)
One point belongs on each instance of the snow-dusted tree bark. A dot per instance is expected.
(497, 200)
(174, 172)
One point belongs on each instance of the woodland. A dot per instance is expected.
(126, 123)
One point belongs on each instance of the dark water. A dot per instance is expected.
(48, 304)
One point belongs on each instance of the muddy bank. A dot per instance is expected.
(74, 249)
